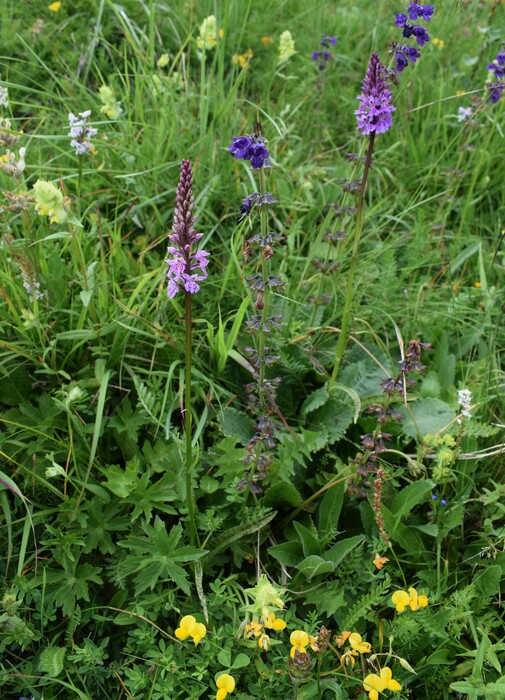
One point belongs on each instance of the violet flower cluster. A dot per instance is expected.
(374, 113)
(322, 57)
(403, 52)
(251, 148)
(80, 133)
(186, 267)
(497, 85)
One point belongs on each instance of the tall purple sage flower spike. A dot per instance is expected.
(186, 267)
(374, 113)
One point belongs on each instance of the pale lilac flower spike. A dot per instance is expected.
(80, 133)
(185, 268)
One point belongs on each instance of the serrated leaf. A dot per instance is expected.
(281, 493)
(51, 661)
(236, 424)
(314, 400)
(335, 416)
(157, 555)
(314, 566)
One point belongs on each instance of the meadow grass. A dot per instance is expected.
(176, 523)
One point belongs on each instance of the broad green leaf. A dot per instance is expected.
(314, 400)
(288, 553)
(411, 496)
(341, 549)
(310, 543)
(236, 424)
(314, 566)
(330, 507)
(283, 492)
(224, 658)
(241, 661)
(429, 415)
(488, 582)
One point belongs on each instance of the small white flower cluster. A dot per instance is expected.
(464, 114)
(4, 97)
(465, 401)
(80, 133)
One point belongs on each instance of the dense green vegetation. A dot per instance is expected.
(289, 483)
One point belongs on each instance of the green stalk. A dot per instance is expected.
(347, 315)
(188, 421)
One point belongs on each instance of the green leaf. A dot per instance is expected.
(157, 556)
(241, 661)
(488, 582)
(429, 415)
(430, 529)
(224, 657)
(341, 549)
(330, 507)
(236, 533)
(310, 543)
(283, 492)
(236, 424)
(314, 400)
(442, 657)
(51, 661)
(288, 553)
(411, 496)
(315, 566)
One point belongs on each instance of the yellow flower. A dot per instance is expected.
(401, 599)
(299, 641)
(225, 684)
(199, 632)
(111, 108)
(49, 201)
(253, 630)
(342, 639)
(380, 561)
(313, 643)
(267, 40)
(54, 6)
(416, 601)
(265, 595)
(375, 684)
(264, 642)
(286, 46)
(273, 623)
(349, 657)
(477, 285)
(208, 33)
(242, 59)
(189, 627)
(438, 42)
(358, 645)
(162, 61)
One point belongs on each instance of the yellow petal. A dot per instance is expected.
(226, 682)
(400, 600)
(199, 632)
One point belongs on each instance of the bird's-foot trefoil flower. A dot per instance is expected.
(402, 599)
(225, 684)
(375, 684)
(189, 627)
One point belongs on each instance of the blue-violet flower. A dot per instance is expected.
(251, 148)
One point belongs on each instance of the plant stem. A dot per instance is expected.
(188, 421)
(347, 315)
